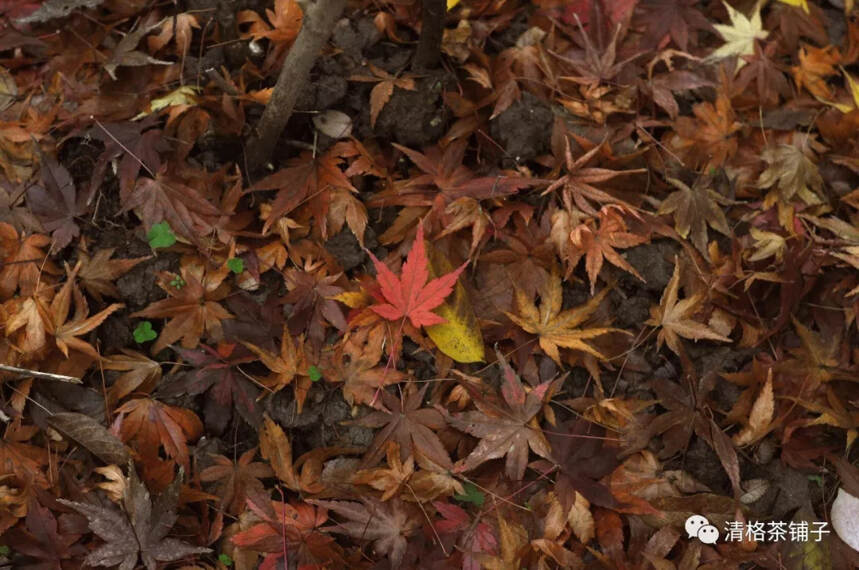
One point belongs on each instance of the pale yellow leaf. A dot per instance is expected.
(185, 95)
(740, 36)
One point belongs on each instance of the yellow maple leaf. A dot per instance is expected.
(556, 328)
(183, 96)
(674, 317)
(740, 36)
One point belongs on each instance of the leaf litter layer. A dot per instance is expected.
(529, 307)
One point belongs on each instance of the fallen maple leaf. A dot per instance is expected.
(178, 27)
(354, 361)
(740, 36)
(790, 173)
(56, 202)
(555, 328)
(150, 424)
(66, 332)
(693, 209)
(815, 66)
(381, 93)
(296, 525)
(578, 183)
(674, 317)
(23, 261)
(141, 374)
(760, 417)
(238, 479)
(12, 208)
(505, 427)
(277, 449)
(285, 22)
(216, 372)
(446, 179)
(411, 426)
(598, 244)
(46, 539)
(709, 138)
(138, 530)
(674, 18)
(164, 198)
(126, 53)
(479, 540)
(286, 367)
(390, 479)
(99, 272)
(387, 524)
(410, 295)
(193, 305)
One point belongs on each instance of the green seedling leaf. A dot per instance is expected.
(160, 235)
(236, 264)
(472, 495)
(5, 550)
(225, 559)
(315, 374)
(143, 332)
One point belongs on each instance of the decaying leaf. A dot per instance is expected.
(506, 426)
(387, 525)
(125, 53)
(137, 530)
(694, 209)
(92, 435)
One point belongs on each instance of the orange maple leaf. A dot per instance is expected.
(151, 424)
(381, 93)
(192, 306)
(22, 261)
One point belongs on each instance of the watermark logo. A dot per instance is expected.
(699, 527)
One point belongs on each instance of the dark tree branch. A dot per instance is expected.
(433, 13)
(316, 27)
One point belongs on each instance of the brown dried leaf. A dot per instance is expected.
(675, 317)
(138, 530)
(92, 435)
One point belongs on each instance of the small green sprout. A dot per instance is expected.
(236, 264)
(143, 332)
(160, 235)
(225, 559)
(177, 282)
(315, 374)
(472, 495)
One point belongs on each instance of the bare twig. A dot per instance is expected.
(37, 374)
(316, 27)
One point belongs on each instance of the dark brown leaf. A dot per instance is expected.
(92, 435)
(139, 529)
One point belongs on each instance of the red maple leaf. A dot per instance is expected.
(410, 295)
